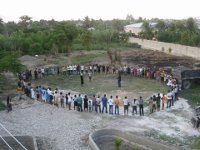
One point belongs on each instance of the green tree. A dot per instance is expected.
(185, 38)
(25, 21)
(64, 35)
(88, 23)
(161, 25)
(9, 62)
(11, 27)
(2, 28)
(147, 31)
(191, 25)
(86, 39)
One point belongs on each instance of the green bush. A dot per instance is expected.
(117, 142)
(196, 143)
(2, 106)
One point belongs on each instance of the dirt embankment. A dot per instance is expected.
(154, 58)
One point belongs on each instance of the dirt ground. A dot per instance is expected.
(132, 57)
(155, 58)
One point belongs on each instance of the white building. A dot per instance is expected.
(136, 27)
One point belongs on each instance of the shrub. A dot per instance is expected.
(196, 143)
(117, 143)
(169, 50)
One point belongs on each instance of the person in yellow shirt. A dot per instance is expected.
(19, 91)
(116, 101)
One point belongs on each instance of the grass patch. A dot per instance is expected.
(2, 106)
(85, 59)
(192, 94)
(102, 83)
(196, 143)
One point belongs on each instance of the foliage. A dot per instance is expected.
(196, 143)
(9, 62)
(44, 36)
(2, 106)
(101, 83)
(117, 142)
(192, 94)
(84, 59)
(147, 32)
(185, 32)
(134, 147)
(86, 39)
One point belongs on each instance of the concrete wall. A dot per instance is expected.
(176, 49)
(141, 142)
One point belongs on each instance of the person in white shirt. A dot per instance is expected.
(111, 102)
(90, 75)
(134, 106)
(169, 99)
(98, 104)
(125, 101)
(50, 93)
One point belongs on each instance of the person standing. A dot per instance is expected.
(141, 106)
(119, 80)
(116, 101)
(134, 106)
(151, 105)
(163, 98)
(173, 96)
(75, 102)
(125, 101)
(82, 79)
(85, 102)
(90, 75)
(110, 102)
(66, 100)
(154, 107)
(93, 102)
(62, 99)
(169, 99)
(90, 105)
(98, 104)
(69, 100)
(158, 102)
(9, 104)
(56, 95)
(19, 90)
(104, 103)
(79, 101)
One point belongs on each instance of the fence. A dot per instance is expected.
(4, 140)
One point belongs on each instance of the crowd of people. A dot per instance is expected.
(73, 69)
(97, 103)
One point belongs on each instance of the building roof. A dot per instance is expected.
(139, 25)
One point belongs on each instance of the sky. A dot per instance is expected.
(12, 10)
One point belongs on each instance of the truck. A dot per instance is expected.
(186, 76)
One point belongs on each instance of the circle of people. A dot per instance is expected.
(97, 103)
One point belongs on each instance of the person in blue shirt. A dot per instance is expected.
(104, 103)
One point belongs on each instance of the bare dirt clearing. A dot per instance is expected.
(133, 57)
(154, 58)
